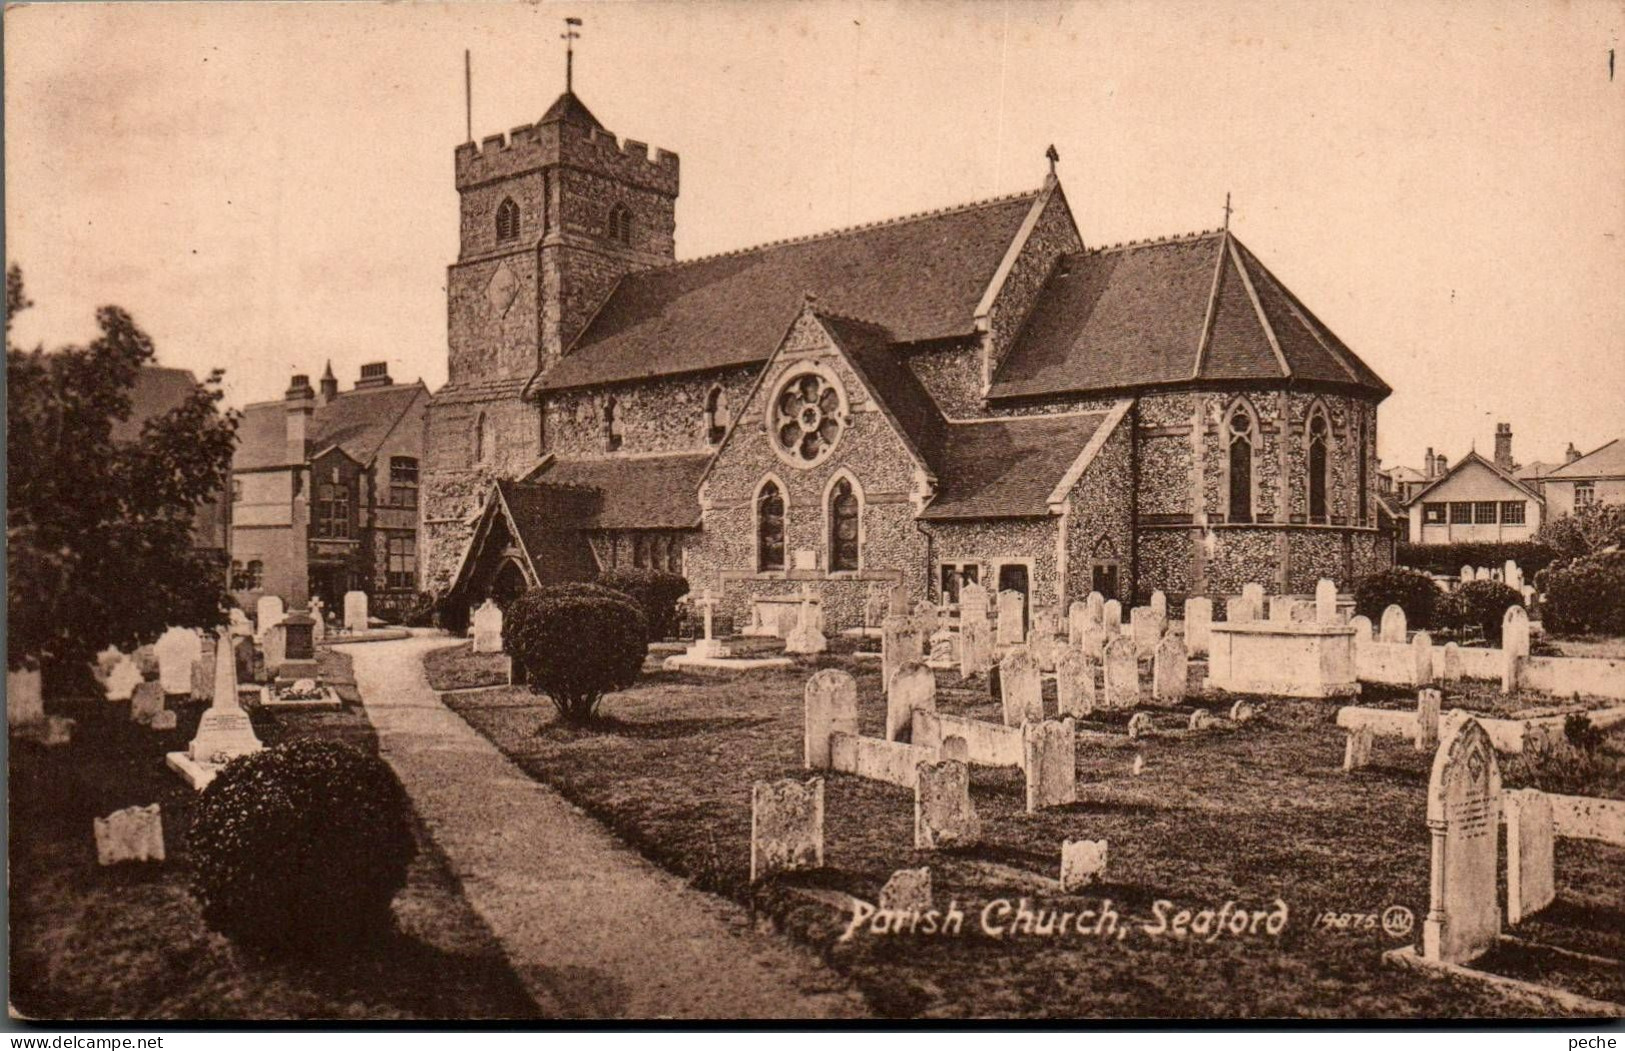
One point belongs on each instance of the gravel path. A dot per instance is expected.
(592, 929)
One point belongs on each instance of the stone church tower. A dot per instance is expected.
(551, 216)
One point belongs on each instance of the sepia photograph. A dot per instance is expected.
(832, 513)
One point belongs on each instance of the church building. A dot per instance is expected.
(973, 393)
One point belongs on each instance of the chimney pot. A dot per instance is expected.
(374, 374)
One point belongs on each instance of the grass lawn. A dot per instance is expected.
(1249, 814)
(460, 668)
(128, 941)
(1608, 646)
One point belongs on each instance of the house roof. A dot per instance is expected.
(1465, 461)
(1406, 474)
(1007, 468)
(1607, 461)
(636, 492)
(157, 390)
(921, 277)
(356, 421)
(1530, 472)
(1198, 308)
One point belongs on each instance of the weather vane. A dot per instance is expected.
(569, 36)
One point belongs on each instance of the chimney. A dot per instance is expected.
(330, 385)
(1503, 446)
(1427, 463)
(375, 374)
(301, 402)
(1571, 454)
(1441, 464)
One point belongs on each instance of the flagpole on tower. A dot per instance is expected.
(468, 93)
(570, 36)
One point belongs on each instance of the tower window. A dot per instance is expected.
(716, 416)
(612, 426)
(1317, 466)
(483, 440)
(770, 529)
(507, 220)
(619, 227)
(843, 527)
(1241, 465)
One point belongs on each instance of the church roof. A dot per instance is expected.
(921, 277)
(156, 392)
(1007, 468)
(569, 109)
(1193, 309)
(636, 492)
(357, 421)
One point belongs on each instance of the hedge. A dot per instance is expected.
(1411, 591)
(1447, 559)
(1586, 596)
(656, 591)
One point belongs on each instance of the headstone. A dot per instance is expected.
(944, 815)
(1011, 632)
(299, 640)
(1466, 574)
(1021, 689)
(954, 747)
(1198, 625)
(1452, 663)
(1428, 703)
(133, 834)
(1254, 596)
(1242, 712)
(1512, 576)
(1094, 642)
(318, 613)
(1122, 674)
(224, 732)
(1145, 628)
(1077, 622)
(908, 890)
(1159, 604)
(830, 702)
(975, 634)
(355, 611)
(240, 624)
(1074, 684)
(1095, 605)
(1482, 574)
(1111, 617)
(1238, 609)
(1422, 656)
(164, 720)
(1357, 750)
(926, 616)
(106, 660)
(913, 688)
(177, 649)
(1362, 629)
(1463, 815)
(25, 706)
(203, 675)
(146, 701)
(1050, 756)
(274, 644)
(1531, 876)
(1082, 862)
(900, 642)
(1325, 602)
(1515, 630)
(1170, 671)
(488, 628)
(805, 638)
(944, 649)
(1139, 724)
(1393, 624)
(267, 611)
(1201, 719)
(1281, 609)
(786, 827)
(1046, 622)
(146, 661)
(123, 679)
(874, 607)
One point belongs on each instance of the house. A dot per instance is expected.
(1476, 500)
(158, 391)
(972, 393)
(1598, 477)
(325, 493)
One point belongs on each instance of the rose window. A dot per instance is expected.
(807, 419)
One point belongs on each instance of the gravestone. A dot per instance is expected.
(900, 642)
(1512, 576)
(926, 615)
(355, 611)
(1020, 688)
(874, 607)
(488, 628)
(913, 688)
(1111, 617)
(25, 705)
(1281, 607)
(1422, 658)
(267, 611)
(177, 649)
(1463, 815)
(954, 747)
(1170, 671)
(1482, 573)
(1466, 574)
(1362, 629)
(239, 623)
(805, 638)
(318, 613)
(1238, 609)
(1139, 724)
(1077, 622)
(1357, 750)
(133, 834)
(1531, 882)
(224, 732)
(830, 703)
(1011, 631)
(123, 679)
(1093, 645)
(1242, 712)
(1325, 602)
(203, 674)
(146, 660)
(1452, 663)
(944, 649)
(1428, 703)
(1050, 757)
(1515, 631)
(1254, 595)
(1074, 684)
(164, 720)
(274, 645)
(1046, 622)
(975, 635)
(146, 701)
(908, 890)
(1393, 624)
(1198, 625)
(944, 815)
(106, 660)
(1145, 627)
(1082, 862)
(786, 827)
(1201, 719)
(1122, 674)
(1159, 604)
(1095, 604)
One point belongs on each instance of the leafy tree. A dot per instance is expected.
(99, 530)
(575, 643)
(1585, 531)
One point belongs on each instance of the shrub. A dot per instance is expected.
(655, 591)
(1413, 592)
(420, 613)
(1586, 596)
(301, 846)
(1532, 556)
(1590, 529)
(1450, 612)
(1483, 603)
(576, 642)
(1580, 733)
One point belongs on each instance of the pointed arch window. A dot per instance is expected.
(770, 528)
(843, 527)
(1241, 434)
(620, 224)
(612, 424)
(483, 440)
(507, 220)
(1319, 437)
(716, 416)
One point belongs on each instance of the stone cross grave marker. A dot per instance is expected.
(1122, 674)
(488, 628)
(133, 834)
(830, 702)
(944, 815)
(913, 688)
(1170, 671)
(1463, 815)
(1021, 688)
(786, 827)
(224, 732)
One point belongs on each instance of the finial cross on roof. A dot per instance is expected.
(1227, 209)
(1054, 157)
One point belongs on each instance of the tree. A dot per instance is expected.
(1585, 531)
(98, 530)
(576, 643)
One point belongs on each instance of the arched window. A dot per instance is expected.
(716, 421)
(770, 528)
(1361, 477)
(1318, 437)
(843, 527)
(507, 220)
(482, 440)
(612, 425)
(1240, 433)
(620, 224)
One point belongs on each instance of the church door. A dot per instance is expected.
(508, 585)
(1013, 577)
(1105, 579)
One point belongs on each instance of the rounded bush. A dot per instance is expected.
(301, 846)
(1586, 596)
(1413, 592)
(1446, 560)
(576, 642)
(1484, 603)
(657, 592)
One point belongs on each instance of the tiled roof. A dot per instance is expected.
(1189, 309)
(1007, 467)
(897, 388)
(637, 492)
(157, 390)
(921, 277)
(1472, 457)
(357, 421)
(1606, 461)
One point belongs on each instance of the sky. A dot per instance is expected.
(267, 187)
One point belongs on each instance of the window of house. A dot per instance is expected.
(612, 425)
(954, 576)
(333, 511)
(1484, 512)
(620, 224)
(843, 527)
(1585, 494)
(1512, 512)
(640, 551)
(1433, 514)
(770, 529)
(716, 422)
(507, 220)
(403, 481)
(1461, 513)
(1317, 466)
(247, 577)
(403, 562)
(1241, 466)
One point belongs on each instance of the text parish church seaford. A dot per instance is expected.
(976, 392)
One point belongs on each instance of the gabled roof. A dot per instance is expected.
(1008, 467)
(1607, 461)
(920, 277)
(1193, 309)
(635, 492)
(1473, 458)
(896, 388)
(357, 421)
(157, 391)
(1406, 474)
